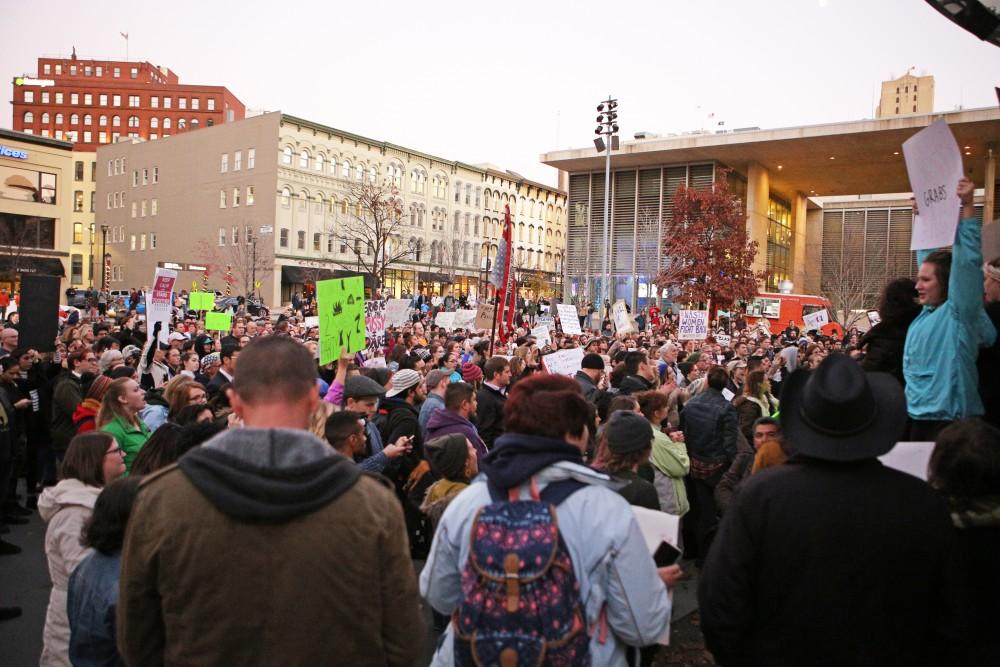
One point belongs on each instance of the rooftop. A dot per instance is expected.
(12, 135)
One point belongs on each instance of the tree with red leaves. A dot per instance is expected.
(707, 254)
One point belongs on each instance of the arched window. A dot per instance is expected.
(372, 174)
(394, 173)
(458, 222)
(286, 154)
(304, 159)
(154, 123)
(101, 120)
(359, 172)
(465, 253)
(319, 163)
(29, 117)
(194, 123)
(133, 121)
(346, 169)
(520, 232)
(286, 197)
(166, 123)
(418, 246)
(88, 119)
(46, 118)
(333, 166)
(74, 119)
(181, 124)
(59, 119)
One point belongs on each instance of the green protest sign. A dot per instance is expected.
(341, 304)
(218, 321)
(201, 301)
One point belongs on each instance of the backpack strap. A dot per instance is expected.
(555, 493)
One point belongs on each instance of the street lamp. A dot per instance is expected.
(104, 253)
(607, 126)
(93, 233)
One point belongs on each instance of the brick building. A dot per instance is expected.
(94, 102)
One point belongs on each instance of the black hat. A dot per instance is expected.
(359, 386)
(840, 413)
(628, 432)
(449, 454)
(592, 361)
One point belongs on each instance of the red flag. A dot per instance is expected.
(504, 322)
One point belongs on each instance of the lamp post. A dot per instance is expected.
(607, 126)
(104, 253)
(93, 233)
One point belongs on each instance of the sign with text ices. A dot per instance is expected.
(934, 165)
(693, 325)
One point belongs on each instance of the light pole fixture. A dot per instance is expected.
(105, 278)
(607, 140)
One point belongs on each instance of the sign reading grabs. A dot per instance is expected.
(934, 165)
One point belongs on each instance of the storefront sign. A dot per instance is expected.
(31, 81)
(13, 152)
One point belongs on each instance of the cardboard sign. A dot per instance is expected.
(341, 304)
(569, 319)
(816, 320)
(397, 312)
(484, 316)
(445, 320)
(563, 362)
(693, 325)
(464, 319)
(218, 322)
(934, 165)
(723, 339)
(201, 301)
(375, 323)
(622, 320)
(541, 334)
(159, 303)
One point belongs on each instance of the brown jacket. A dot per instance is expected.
(332, 586)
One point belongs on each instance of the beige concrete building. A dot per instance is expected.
(274, 192)
(36, 211)
(909, 94)
(782, 176)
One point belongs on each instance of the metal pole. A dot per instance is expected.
(607, 240)
(253, 268)
(104, 256)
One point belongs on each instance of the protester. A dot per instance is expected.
(67, 394)
(92, 461)
(883, 343)
(640, 375)
(769, 441)
(590, 374)
(989, 358)
(329, 520)
(491, 398)
(629, 441)
(92, 597)
(942, 343)
(85, 416)
(755, 402)
(835, 558)
(669, 457)
(436, 382)
(459, 410)
(119, 416)
(455, 458)
(547, 427)
(159, 451)
(965, 468)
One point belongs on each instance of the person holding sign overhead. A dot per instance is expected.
(939, 357)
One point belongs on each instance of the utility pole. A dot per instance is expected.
(607, 126)
(104, 255)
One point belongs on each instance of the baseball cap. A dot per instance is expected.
(402, 381)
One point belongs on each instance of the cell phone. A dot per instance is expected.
(666, 555)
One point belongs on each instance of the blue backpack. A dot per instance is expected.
(520, 597)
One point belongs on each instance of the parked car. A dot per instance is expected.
(233, 303)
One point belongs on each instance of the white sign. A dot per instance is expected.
(159, 303)
(445, 320)
(464, 319)
(623, 322)
(816, 320)
(311, 322)
(723, 339)
(375, 324)
(873, 317)
(564, 362)
(656, 528)
(693, 325)
(396, 312)
(541, 334)
(909, 457)
(569, 319)
(934, 165)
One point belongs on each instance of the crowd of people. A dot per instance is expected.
(227, 499)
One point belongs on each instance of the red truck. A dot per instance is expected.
(778, 309)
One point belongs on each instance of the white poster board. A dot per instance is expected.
(541, 334)
(569, 319)
(723, 339)
(909, 457)
(693, 325)
(622, 320)
(656, 528)
(816, 320)
(934, 165)
(397, 312)
(159, 303)
(564, 362)
(445, 320)
(375, 324)
(311, 321)
(464, 319)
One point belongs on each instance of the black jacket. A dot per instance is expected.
(587, 385)
(883, 345)
(710, 427)
(489, 414)
(67, 394)
(633, 384)
(820, 563)
(988, 363)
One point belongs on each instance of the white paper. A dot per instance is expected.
(311, 321)
(934, 165)
(159, 303)
(541, 334)
(909, 457)
(728, 395)
(564, 362)
(873, 317)
(816, 320)
(569, 319)
(693, 325)
(657, 527)
(445, 320)
(464, 319)
(397, 312)
(723, 339)
(623, 322)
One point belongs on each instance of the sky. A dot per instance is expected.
(504, 82)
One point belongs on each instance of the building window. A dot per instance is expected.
(222, 199)
(286, 197)
(236, 234)
(154, 102)
(145, 176)
(236, 196)
(142, 209)
(210, 104)
(283, 238)
(251, 157)
(166, 123)
(74, 98)
(301, 240)
(45, 117)
(99, 71)
(320, 163)
(45, 97)
(76, 269)
(133, 121)
(316, 242)
(153, 206)
(47, 68)
(93, 200)
(116, 100)
(225, 163)
(286, 155)
(132, 242)
(195, 103)
(134, 72)
(58, 68)
(77, 232)
(78, 171)
(142, 242)
(304, 159)
(222, 236)
(116, 121)
(102, 121)
(78, 201)
(29, 118)
(134, 209)
(250, 193)
(237, 160)
(182, 103)
(59, 119)
(152, 240)
(372, 175)
(103, 99)
(135, 177)
(133, 101)
(167, 102)
(346, 169)
(359, 173)
(88, 119)
(156, 174)
(88, 99)
(181, 123)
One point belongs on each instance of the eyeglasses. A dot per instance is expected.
(116, 450)
(91, 359)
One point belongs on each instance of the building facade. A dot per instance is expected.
(37, 235)
(272, 199)
(908, 94)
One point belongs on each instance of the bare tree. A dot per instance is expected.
(245, 261)
(852, 291)
(647, 259)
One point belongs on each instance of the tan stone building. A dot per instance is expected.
(36, 211)
(909, 94)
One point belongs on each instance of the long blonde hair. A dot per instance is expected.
(111, 407)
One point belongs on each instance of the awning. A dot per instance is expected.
(36, 266)
(431, 277)
(299, 275)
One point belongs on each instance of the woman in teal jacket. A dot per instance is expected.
(939, 359)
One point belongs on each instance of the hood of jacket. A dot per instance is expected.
(89, 408)
(515, 457)
(268, 475)
(68, 492)
(443, 418)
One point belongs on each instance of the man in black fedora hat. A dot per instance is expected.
(832, 558)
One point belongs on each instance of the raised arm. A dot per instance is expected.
(965, 284)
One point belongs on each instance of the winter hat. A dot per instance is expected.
(592, 361)
(108, 358)
(628, 432)
(448, 455)
(99, 387)
(402, 381)
(471, 372)
(210, 360)
(359, 386)
(131, 351)
(693, 358)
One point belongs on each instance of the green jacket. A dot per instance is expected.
(130, 438)
(671, 464)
